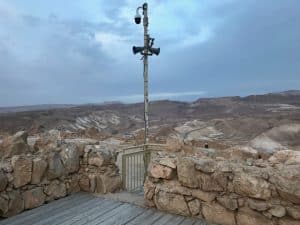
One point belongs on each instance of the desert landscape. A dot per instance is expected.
(154, 113)
(266, 123)
(229, 160)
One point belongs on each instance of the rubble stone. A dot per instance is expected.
(277, 210)
(15, 205)
(206, 165)
(194, 206)
(257, 205)
(172, 203)
(186, 172)
(3, 180)
(204, 196)
(294, 212)
(246, 216)
(228, 202)
(55, 166)
(55, 190)
(22, 167)
(248, 185)
(160, 171)
(33, 198)
(38, 170)
(3, 206)
(70, 159)
(217, 214)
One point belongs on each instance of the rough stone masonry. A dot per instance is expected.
(52, 169)
(227, 192)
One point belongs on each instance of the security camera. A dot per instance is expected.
(137, 18)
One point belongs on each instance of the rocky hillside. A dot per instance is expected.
(264, 122)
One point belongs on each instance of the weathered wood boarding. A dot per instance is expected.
(84, 208)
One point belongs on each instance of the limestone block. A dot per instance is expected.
(3, 180)
(15, 205)
(277, 211)
(38, 170)
(99, 155)
(211, 183)
(107, 184)
(287, 182)
(217, 214)
(228, 202)
(252, 186)
(159, 171)
(3, 206)
(172, 203)
(33, 198)
(286, 221)
(186, 172)
(84, 183)
(70, 158)
(195, 207)
(203, 196)
(206, 165)
(257, 205)
(55, 166)
(294, 211)
(22, 167)
(55, 190)
(247, 216)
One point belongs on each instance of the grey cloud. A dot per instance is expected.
(257, 44)
(255, 48)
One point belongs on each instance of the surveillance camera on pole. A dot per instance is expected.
(145, 51)
(137, 18)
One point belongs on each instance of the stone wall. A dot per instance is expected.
(227, 192)
(52, 169)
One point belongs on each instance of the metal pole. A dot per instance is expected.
(146, 45)
(146, 101)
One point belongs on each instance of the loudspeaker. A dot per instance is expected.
(137, 49)
(155, 51)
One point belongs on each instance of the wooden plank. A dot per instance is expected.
(141, 218)
(28, 217)
(200, 222)
(108, 215)
(188, 221)
(176, 220)
(46, 219)
(98, 208)
(124, 216)
(85, 208)
(164, 219)
(92, 215)
(151, 219)
(45, 207)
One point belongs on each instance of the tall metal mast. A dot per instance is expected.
(146, 51)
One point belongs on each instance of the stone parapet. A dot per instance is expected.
(30, 177)
(227, 192)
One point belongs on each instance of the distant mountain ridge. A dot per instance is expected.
(34, 107)
(116, 116)
(285, 97)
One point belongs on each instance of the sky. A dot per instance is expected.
(80, 51)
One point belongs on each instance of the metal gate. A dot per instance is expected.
(135, 161)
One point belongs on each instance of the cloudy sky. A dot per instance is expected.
(79, 51)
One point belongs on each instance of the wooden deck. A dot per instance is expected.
(84, 208)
